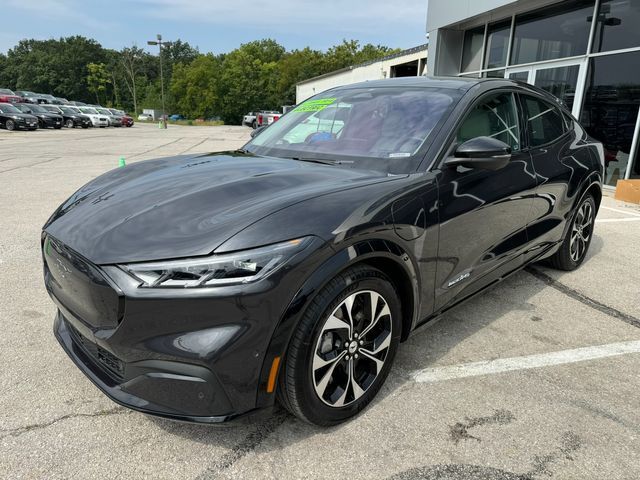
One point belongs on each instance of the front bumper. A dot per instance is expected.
(172, 390)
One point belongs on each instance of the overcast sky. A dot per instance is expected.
(217, 25)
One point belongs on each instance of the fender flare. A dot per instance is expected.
(367, 251)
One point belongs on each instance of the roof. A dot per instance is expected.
(453, 83)
(402, 53)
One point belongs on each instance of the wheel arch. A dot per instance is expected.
(384, 255)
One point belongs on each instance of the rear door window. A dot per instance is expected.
(545, 123)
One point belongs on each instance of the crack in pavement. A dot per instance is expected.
(246, 446)
(16, 432)
(582, 298)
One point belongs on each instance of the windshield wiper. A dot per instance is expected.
(322, 161)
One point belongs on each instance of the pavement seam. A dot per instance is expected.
(16, 432)
(582, 298)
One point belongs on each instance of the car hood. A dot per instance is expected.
(188, 206)
(26, 116)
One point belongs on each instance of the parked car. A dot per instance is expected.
(8, 96)
(13, 119)
(266, 117)
(249, 120)
(77, 104)
(175, 117)
(30, 97)
(47, 99)
(73, 117)
(46, 119)
(203, 288)
(62, 101)
(145, 117)
(97, 119)
(127, 121)
(114, 120)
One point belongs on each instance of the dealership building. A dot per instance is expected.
(586, 52)
(407, 63)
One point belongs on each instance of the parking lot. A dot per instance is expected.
(538, 378)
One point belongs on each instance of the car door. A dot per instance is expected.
(483, 213)
(562, 160)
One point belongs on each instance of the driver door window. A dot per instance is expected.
(495, 117)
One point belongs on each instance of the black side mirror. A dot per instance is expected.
(258, 131)
(482, 152)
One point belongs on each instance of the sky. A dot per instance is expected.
(217, 25)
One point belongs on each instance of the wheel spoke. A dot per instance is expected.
(379, 363)
(384, 344)
(340, 401)
(357, 390)
(383, 313)
(319, 362)
(321, 386)
(348, 303)
(334, 323)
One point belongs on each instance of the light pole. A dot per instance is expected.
(160, 43)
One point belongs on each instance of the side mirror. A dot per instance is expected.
(482, 152)
(258, 131)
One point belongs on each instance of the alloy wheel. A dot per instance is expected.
(69, 123)
(9, 125)
(581, 232)
(351, 348)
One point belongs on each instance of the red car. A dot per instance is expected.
(127, 121)
(7, 96)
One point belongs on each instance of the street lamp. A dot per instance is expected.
(160, 43)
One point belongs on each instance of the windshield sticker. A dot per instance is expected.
(399, 155)
(315, 105)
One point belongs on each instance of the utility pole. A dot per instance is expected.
(160, 43)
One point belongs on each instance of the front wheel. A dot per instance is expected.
(574, 248)
(10, 125)
(343, 348)
(69, 123)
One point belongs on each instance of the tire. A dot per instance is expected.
(58, 127)
(254, 125)
(70, 124)
(320, 391)
(576, 244)
(86, 126)
(10, 125)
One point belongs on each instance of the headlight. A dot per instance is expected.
(223, 269)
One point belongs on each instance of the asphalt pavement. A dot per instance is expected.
(538, 378)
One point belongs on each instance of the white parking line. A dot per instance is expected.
(620, 211)
(439, 374)
(614, 220)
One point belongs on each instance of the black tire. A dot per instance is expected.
(297, 390)
(69, 123)
(10, 125)
(254, 125)
(567, 257)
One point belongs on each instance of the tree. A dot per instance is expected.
(98, 79)
(130, 59)
(195, 86)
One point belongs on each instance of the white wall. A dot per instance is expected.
(373, 71)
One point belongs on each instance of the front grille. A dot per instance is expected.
(111, 364)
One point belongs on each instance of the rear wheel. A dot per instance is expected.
(69, 123)
(574, 248)
(10, 125)
(254, 125)
(343, 348)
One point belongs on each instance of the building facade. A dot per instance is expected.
(586, 52)
(411, 62)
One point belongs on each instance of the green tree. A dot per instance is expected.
(195, 86)
(98, 80)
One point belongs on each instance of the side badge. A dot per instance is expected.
(459, 278)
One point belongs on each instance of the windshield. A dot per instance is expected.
(51, 108)
(36, 108)
(68, 111)
(380, 128)
(104, 111)
(4, 108)
(6, 91)
(89, 110)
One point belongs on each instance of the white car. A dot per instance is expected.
(145, 116)
(114, 120)
(97, 119)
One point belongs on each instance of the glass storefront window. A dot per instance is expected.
(497, 45)
(493, 74)
(472, 49)
(559, 81)
(552, 33)
(610, 109)
(617, 25)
